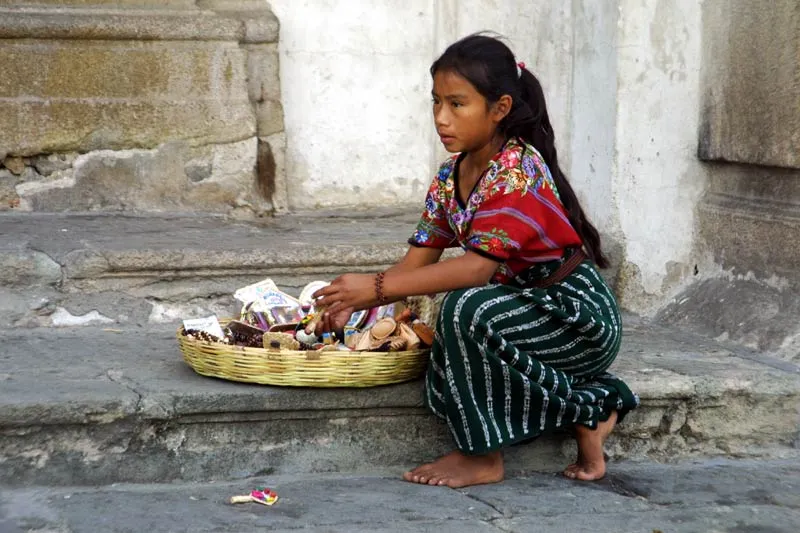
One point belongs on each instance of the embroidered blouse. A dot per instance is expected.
(514, 214)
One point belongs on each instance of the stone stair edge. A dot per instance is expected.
(132, 22)
(48, 249)
(92, 407)
(122, 398)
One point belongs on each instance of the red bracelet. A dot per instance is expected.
(382, 300)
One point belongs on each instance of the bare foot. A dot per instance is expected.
(456, 470)
(591, 462)
(571, 469)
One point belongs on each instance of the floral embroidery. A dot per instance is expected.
(510, 157)
(492, 242)
(434, 228)
(533, 165)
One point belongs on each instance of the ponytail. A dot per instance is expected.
(490, 67)
(530, 121)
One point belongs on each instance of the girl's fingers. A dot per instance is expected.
(343, 318)
(320, 327)
(325, 291)
(329, 297)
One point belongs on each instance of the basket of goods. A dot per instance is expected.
(273, 342)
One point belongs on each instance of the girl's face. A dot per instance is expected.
(464, 120)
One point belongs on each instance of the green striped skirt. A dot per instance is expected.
(510, 363)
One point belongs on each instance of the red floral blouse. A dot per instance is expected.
(514, 215)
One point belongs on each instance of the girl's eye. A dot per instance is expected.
(435, 100)
(457, 104)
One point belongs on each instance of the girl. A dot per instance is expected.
(528, 327)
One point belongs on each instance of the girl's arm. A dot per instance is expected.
(416, 257)
(417, 273)
(469, 270)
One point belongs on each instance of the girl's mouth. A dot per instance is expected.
(446, 139)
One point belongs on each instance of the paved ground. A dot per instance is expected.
(707, 497)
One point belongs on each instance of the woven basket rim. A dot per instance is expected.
(318, 354)
(300, 368)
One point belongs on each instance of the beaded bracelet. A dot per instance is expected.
(382, 299)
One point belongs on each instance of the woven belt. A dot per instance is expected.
(561, 272)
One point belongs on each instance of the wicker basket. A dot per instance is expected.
(301, 368)
(311, 369)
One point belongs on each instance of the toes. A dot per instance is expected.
(570, 470)
(411, 477)
(414, 476)
(419, 474)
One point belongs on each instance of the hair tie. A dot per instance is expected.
(520, 68)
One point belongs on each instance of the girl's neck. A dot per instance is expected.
(479, 159)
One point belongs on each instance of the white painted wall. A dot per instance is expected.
(356, 88)
(594, 113)
(622, 81)
(658, 180)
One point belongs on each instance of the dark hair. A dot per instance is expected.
(489, 65)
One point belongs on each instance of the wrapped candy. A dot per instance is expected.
(260, 495)
(264, 305)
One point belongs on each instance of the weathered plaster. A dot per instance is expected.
(356, 96)
(658, 180)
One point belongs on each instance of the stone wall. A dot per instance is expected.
(140, 105)
(749, 217)
(751, 104)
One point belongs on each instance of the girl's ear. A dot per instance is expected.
(501, 108)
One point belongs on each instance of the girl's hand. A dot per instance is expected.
(335, 322)
(350, 291)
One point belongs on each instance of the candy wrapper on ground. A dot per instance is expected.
(260, 495)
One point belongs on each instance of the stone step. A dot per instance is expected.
(99, 405)
(75, 269)
(692, 497)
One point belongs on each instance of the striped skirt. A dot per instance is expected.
(510, 363)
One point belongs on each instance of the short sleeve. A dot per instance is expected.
(433, 229)
(520, 215)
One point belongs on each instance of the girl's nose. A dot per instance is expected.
(440, 118)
